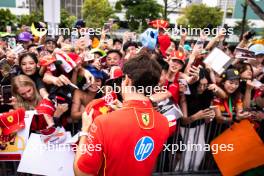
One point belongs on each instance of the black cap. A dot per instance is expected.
(80, 23)
(231, 74)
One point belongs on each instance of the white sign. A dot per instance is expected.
(47, 159)
(218, 61)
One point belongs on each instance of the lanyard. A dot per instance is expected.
(230, 106)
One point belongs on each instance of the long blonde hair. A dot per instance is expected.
(22, 81)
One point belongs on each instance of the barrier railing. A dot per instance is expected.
(173, 160)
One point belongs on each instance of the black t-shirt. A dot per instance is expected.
(38, 81)
(197, 102)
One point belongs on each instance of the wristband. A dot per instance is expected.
(82, 133)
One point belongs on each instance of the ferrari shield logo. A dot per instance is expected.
(145, 118)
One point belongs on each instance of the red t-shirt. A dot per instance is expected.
(174, 88)
(125, 142)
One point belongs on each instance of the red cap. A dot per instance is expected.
(101, 106)
(159, 23)
(75, 57)
(115, 72)
(178, 55)
(164, 43)
(13, 121)
(46, 60)
(46, 107)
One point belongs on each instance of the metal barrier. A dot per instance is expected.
(174, 162)
(193, 162)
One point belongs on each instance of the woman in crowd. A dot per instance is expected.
(28, 64)
(231, 108)
(196, 111)
(26, 95)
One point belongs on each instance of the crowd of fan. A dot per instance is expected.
(43, 72)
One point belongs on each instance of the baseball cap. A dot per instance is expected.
(178, 55)
(187, 47)
(45, 107)
(101, 106)
(25, 36)
(164, 43)
(79, 24)
(98, 74)
(159, 23)
(116, 74)
(257, 49)
(13, 121)
(102, 53)
(231, 74)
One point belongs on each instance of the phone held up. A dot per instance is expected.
(6, 92)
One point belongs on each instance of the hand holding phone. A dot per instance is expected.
(6, 94)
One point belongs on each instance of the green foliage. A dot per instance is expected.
(67, 20)
(96, 12)
(238, 27)
(138, 11)
(118, 6)
(29, 19)
(7, 19)
(200, 15)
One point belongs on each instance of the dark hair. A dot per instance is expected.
(117, 40)
(115, 51)
(242, 66)
(128, 44)
(143, 71)
(31, 45)
(32, 55)
(203, 74)
(164, 65)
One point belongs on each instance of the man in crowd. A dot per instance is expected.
(111, 133)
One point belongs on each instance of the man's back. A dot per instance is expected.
(131, 140)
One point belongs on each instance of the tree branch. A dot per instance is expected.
(258, 11)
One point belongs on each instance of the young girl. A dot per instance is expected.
(231, 108)
(25, 95)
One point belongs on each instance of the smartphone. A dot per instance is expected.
(107, 26)
(6, 93)
(196, 62)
